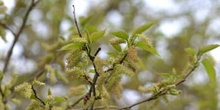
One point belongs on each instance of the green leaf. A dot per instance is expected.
(146, 47)
(166, 75)
(49, 92)
(209, 67)
(84, 20)
(207, 48)
(117, 47)
(61, 77)
(174, 91)
(1, 75)
(190, 51)
(60, 99)
(72, 46)
(141, 29)
(2, 33)
(141, 64)
(92, 71)
(121, 34)
(112, 54)
(97, 35)
(3, 9)
(91, 29)
(1, 3)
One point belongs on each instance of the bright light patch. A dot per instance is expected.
(160, 4)
(65, 25)
(6, 45)
(81, 7)
(131, 96)
(215, 53)
(115, 18)
(9, 4)
(58, 90)
(214, 25)
(201, 15)
(103, 53)
(171, 28)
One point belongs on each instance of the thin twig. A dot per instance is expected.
(92, 88)
(17, 35)
(108, 107)
(155, 96)
(111, 69)
(6, 27)
(95, 79)
(77, 26)
(35, 94)
(99, 49)
(74, 104)
(91, 57)
(164, 92)
(88, 79)
(120, 62)
(190, 71)
(111, 107)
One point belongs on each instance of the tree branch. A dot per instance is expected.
(120, 62)
(164, 92)
(111, 107)
(74, 104)
(111, 69)
(91, 57)
(77, 26)
(96, 53)
(17, 35)
(35, 94)
(6, 27)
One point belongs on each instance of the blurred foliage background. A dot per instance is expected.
(178, 24)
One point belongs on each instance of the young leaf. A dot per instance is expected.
(209, 67)
(90, 28)
(141, 29)
(61, 77)
(207, 48)
(146, 47)
(1, 75)
(84, 20)
(92, 71)
(2, 33)
(72, 46)
(117, 47)
(112, 54)
(3, 9)
(97, 35)
(121, 34)
(165, 75)
(190, 51)
(141, 64)
(60, 99)
(49, 92)
(1, 3)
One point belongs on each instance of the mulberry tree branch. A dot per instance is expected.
(35, 94)
(77, 26)
(8, 28)
(92, 89)
(17, 35)
(164, 92)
